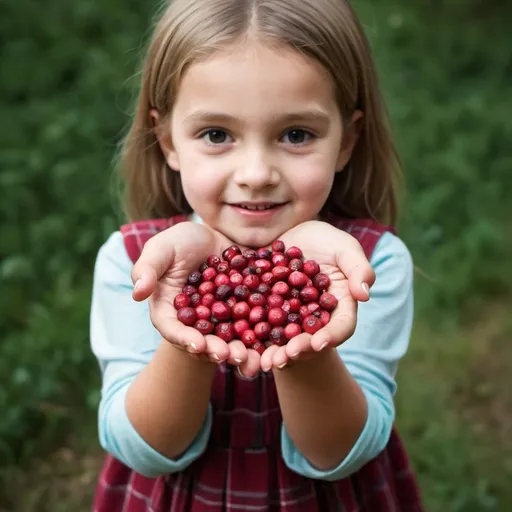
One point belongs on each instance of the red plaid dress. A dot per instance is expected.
(242, 467)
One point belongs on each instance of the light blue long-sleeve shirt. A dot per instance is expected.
(124, 340)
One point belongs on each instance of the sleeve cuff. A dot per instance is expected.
(370, 443)
(125, 443)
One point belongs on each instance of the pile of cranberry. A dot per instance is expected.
(257, 296)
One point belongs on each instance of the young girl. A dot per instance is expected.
(257, 120)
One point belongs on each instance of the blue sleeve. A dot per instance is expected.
(124, 340)
(371, 355)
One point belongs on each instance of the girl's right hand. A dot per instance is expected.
(160, 273)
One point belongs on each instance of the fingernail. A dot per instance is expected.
(326, 344)
(240, 373)
(366, 289)
(282, 366)
(216, 357)
(294, 356)
(136, 284)
(238, 361)
(194, 346)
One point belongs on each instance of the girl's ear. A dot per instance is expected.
(164, 140)
(350, 137)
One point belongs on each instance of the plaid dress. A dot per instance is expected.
(242, 467)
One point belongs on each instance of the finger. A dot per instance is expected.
(298, 345)
(252, 366)
(179, 334)
(145, 279)
(280, 359)
(217, 349)
(267, 358)
(237, 352)
(340, 327)
(353, 262)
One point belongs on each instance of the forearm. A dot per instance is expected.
(168, 401)
(324, 409)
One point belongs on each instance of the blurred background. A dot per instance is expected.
(68, 72)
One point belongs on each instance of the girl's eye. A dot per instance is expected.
(214, 137)
(297, 136)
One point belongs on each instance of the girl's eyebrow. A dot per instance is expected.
(313, 115)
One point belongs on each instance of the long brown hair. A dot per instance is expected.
(325, 30)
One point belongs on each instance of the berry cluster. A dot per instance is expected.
(257, 296)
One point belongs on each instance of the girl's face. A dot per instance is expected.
(257, 137)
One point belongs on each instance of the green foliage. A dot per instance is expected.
(67, 72)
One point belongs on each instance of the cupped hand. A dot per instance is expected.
(160, 273)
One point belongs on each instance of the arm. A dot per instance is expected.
(146, 416)
(338, 407)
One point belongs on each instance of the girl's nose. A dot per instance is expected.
(256, 172)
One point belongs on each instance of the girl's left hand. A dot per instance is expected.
(342, 258)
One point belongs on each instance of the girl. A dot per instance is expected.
(256, 120)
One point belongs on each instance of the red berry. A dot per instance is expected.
(325, 316)
(292, 330)
(278, 246)
(248, 338)
(195, 300)
(259, 347)
(250, 270)
(189, 290)
(281, 273)
(187, 316)
(274, 301)
(328, 301)
(313, 307)
(264, 289)
(276, 316)
(229, 253)
(209, 274)
(242, 292)
(204, 327)
(295, 305)
(221, 311)
(294, 293)
(256, 299)
(208, 300)
(311, 324)
(279, 260)
(221, 279)
(223, 292)
(222, 267)
(264, 254)
(294, 318)
(236, 279)
(252, 282)
(239, 262)
(240, 326)
(206, 287)
(276, 336)
(231, 301)
(240, 310)
(249, 255)
(264, 265)
(232, 272)
(311, 268)
(203, 267)
(262, 330)
(293, 253)
(213, 260)
(257, 314)
(303, 311)
(298, 279)
(295, 265)
(203, 313)
(225, 331)
(181, 301)
(268, 278)
(281, 288)
(194, 279)
(286, 306)
(321, 282)
(309, 294)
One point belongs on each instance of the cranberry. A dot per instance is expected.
(181, 301)
(223, 292)
(321, 282)
(295, 305)
(281, 288)
(311, 268)
(274, 301)
(264, 265)
(249, 338)
(252, 282)
(240, 310)
(242, 292)
(286, 306)
(231, 301)
(292, 330)
(294, 318)
(204, 327)
(256, 299)
(262, 330)
(311, 324)
(194, 278)
(276, 316)
(268, 278)
(328, 301)
(195, 299)
(250, 270)
(259, 347)
(309, 294)
(281, 273)
(225, 331)
(278, 246)
(276, 336)
(189, 290)
(240, 326)
(208, 300)
(293, 253)
(313, 307)
(257, 314)
(221, 279)
(249, 255)
(213, 260)
(264, 289)
(203, 267)
(295, 265)
(209, 274)
(221, 311)
(222, 267)
(264, 254)
(232, 272)
(203, 313)
(325, 316)
(236, 279)
(294, 293)
(239, 262)
(279, 260)
(187, 316)
(303, 311)
(206, 287)
(231, 252)
(297, 279)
